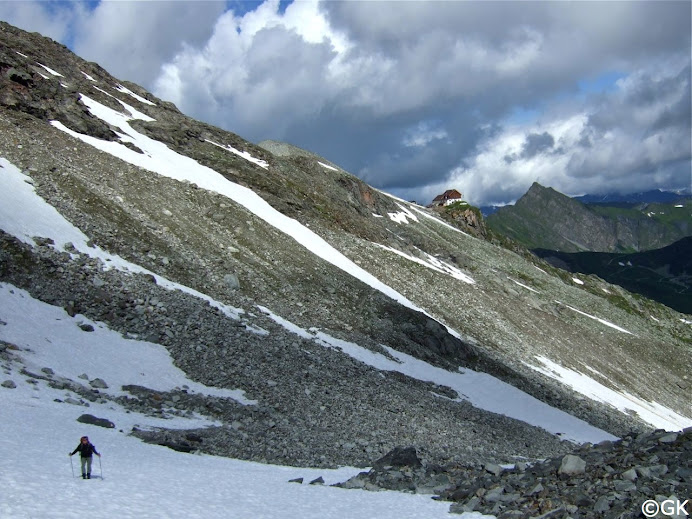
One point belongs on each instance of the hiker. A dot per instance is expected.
(86, 450)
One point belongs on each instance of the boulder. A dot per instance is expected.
(92, 420)
(399, 457)
(572, 465)
(98, 383)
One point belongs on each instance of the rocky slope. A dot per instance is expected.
(485, 308)
(546, 219)
(650, 473)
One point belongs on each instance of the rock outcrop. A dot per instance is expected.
(611, 479)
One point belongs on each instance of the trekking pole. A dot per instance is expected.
(100, 468)
(72, 467)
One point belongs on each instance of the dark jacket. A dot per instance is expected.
(86, 450)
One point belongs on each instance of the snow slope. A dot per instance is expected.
(39, 428)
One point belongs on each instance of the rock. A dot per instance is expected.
(9, 384)
(231, 281)
(296, 480)
(178, 446)
(317, 481)
(572, 465)
(98, 383)
(494, 495)
(658, 470)
(583, 501)
(630, 475)
(537, 489)
(493, 468)
(623, 485)
(668, 438)
(602, 504)
(193, 437)
(92, 420)
(399, 457)
(356, 482)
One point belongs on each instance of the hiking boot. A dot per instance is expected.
(88, 476)
(83, 476)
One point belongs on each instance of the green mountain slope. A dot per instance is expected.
(546, 219)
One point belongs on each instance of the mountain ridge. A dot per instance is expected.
(545, 219)
(472, 305)
(652, 195)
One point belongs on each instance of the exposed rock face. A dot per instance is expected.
(467, 219)
(546, 219)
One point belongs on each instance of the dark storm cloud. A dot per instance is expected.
(536, 143)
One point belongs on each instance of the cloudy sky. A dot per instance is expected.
(417, 97)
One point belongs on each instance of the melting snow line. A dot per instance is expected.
(523, 285)
(51, 71)
(602, 321)
(434, 264)
(480, 389)
(651, 412)
(244, 154)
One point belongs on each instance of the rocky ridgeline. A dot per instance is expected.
(611, 479)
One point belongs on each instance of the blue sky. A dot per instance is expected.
(417, 97)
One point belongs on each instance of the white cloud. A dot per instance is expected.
(261, 68)
(422, 134)
(38, 16)
(625, 140)
(133, 38)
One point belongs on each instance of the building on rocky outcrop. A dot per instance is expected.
(448, 197)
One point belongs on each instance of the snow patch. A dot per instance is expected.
(434, 264)
(402, 216)
(523, 285)
(327, 166)
(63, 346)
(50, 71)
(139, 98)
(651, 412)
(602, 321)
(244, 154)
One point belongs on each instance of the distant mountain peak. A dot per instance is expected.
(544, 218)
